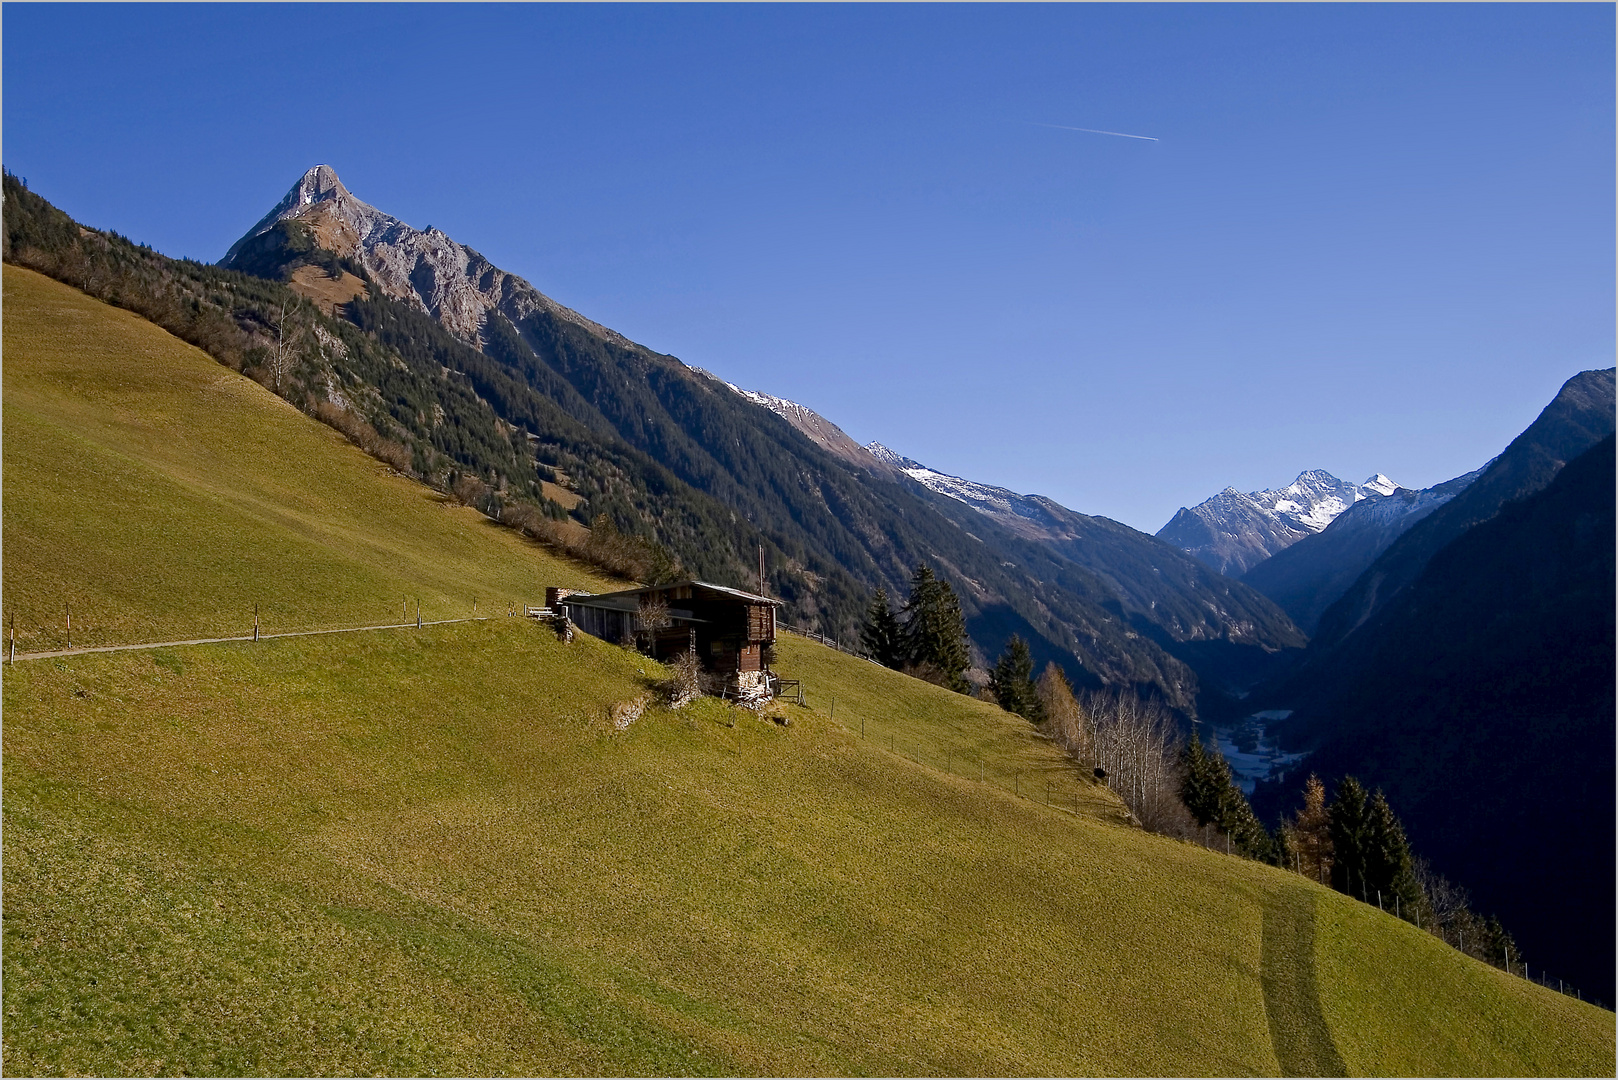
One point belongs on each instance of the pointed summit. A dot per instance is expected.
(319, 182)
(424, 268)
(318, 195)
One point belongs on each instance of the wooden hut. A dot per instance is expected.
(729, 629)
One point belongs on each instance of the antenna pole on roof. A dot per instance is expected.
(761, 591)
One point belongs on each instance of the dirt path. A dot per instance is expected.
(1298, 1028)
(246, 637)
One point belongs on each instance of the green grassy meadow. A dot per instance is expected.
(162, 496)
(430, 851)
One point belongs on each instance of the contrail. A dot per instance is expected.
(1093, 131)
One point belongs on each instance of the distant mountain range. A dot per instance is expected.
(1310, 575)
(1167, 594)
(1235, 531)
(1112, 605)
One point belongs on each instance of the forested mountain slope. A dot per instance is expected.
(1480, 698)
(826, 514)
(660, 449)
(426, 852)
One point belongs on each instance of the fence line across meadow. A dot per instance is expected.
(831, 643)
(85, 649)
(12, 655)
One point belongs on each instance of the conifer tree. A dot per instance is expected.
(1388, 870)
(881, 634)
(1069, 723)
(1311, 832)
(1498, 946)
(935, 631)
(1211, 794)
(1012, 682)
(1200, 783)
(1348, 814)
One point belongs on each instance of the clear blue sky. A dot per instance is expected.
(1370, 238)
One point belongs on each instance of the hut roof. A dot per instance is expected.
(630, 597)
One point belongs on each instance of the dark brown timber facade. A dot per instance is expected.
(729, 629)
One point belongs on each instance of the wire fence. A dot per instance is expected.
(833, 643)
(72, 624)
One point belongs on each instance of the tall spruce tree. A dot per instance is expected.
(881, 634)
(1012, 682)
(1210, 792)
(1349, 814)
(1389, 874)
(935, 631)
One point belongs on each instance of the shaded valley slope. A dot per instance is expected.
(1480, 698)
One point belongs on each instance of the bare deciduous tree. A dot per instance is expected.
(1137, 743)
(650, 617)
(287, 339)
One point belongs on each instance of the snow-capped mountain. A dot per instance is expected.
(425, 268)
(1179, 593)
(1306, 578)
(1235, 531)
(1029, 515)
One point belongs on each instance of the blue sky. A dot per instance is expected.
(1369, 238)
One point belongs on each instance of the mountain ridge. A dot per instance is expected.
(1234, 531)
(1578, 417)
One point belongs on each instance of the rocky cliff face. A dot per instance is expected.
(449, 281)
(1235, 531)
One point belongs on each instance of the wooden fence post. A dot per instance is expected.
(418, 614)
(255, 622)
(14, 637)
(69, 609)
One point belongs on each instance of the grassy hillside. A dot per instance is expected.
(163, 495)
(429, 851)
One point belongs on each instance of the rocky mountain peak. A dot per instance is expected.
(1235, 530)
(423, 267)
(319, 183)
